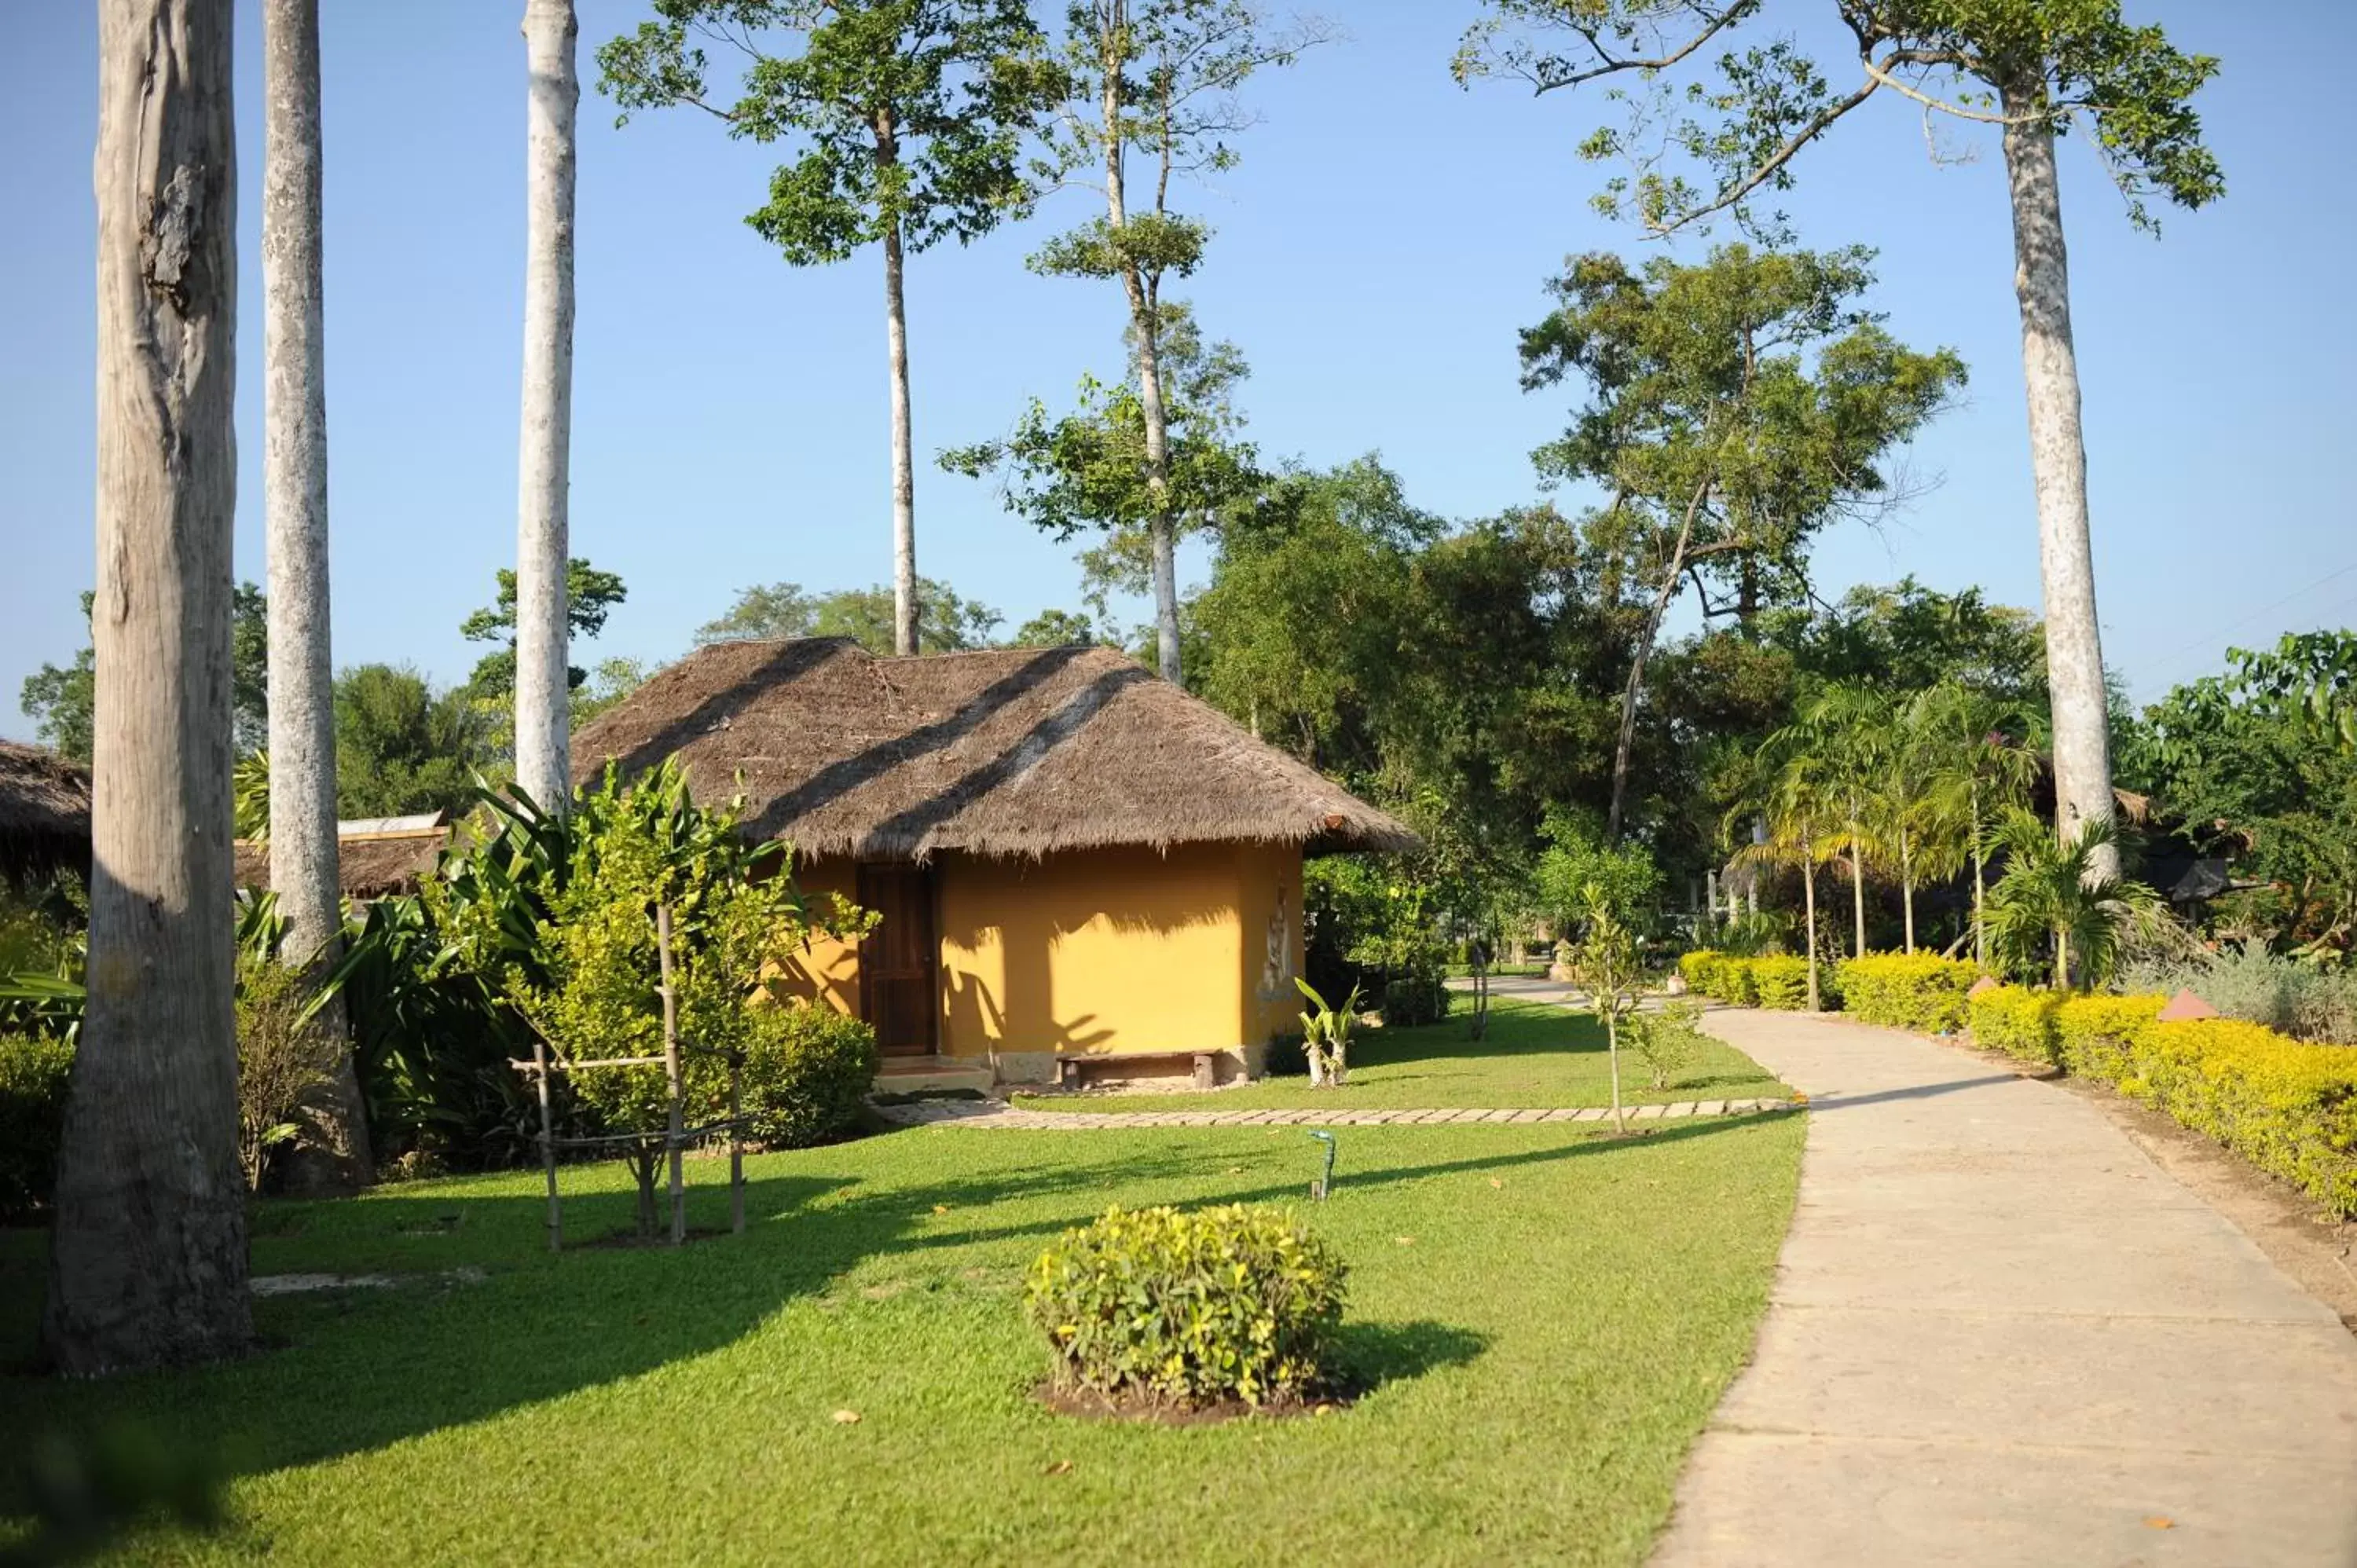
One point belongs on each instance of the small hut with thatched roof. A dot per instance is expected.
(1078, 867)
(44, 813)
(376, 857)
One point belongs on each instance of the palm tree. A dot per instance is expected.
(542, 686)
(2059, 893)
(1845, 730)
(1794, 810)
(302, 753)
(147, 1257)
(1977, 772)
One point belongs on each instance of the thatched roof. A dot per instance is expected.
(44, 811)
(369, 864)
(1004, 752)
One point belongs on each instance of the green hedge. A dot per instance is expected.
(1907, 991)
(2288, 1107)
(1189, 1306)
(33, 1074)
(2015, 1020)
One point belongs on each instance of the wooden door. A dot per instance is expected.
(897, 990)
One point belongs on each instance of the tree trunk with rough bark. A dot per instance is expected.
(1652, 631)
(334, 1155)
(542, 693)
(904, 477)
(147, 1260)
(2057, 461)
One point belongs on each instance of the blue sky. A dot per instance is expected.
(1385, 237)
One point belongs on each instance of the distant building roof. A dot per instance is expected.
(376, 856)
(44, 811)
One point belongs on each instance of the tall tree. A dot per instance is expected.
(2034, 68)
(590, 596)
(334, 1153)
(910, 117)
(1737, 407)
(947, 623)
(1088, 470)
(543, 703)
(148, 1260)
(1159, 76)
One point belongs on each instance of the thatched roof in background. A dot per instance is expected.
(1004, 752)
(369, 864)
(44, 811)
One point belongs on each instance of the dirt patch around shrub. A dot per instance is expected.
(1088, 1404)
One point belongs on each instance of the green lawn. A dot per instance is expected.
(1536, 1054)
(1551, 1314)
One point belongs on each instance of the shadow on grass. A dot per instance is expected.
(1369, 1355)
(354, 1371)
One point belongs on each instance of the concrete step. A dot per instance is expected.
(934, 1075)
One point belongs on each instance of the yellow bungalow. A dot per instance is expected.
(1082, 872)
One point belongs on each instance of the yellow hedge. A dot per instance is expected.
(2288, 1107)
(2015, 1020)
(1771, 982)
(1907, 991)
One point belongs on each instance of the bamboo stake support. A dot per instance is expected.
(672, 1136)
(548, 1145)
(736, 1143)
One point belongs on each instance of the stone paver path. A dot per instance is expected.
(2000, 1334)
(996, 1113)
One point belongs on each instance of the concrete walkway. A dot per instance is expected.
(996, 1113)
(2000, 1334)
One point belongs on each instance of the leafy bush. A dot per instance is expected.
(1699, 969)
(1783, 983)
(2015, 1020)
(1412, 999)
(1667, 1042)
(1325, 1035)
(2295, 996)
(282, 1056)
(807, 1070)
(34, 1070)
(2288, 1106)
(1287, 1056)
(1189, 1306)
(1907, 991)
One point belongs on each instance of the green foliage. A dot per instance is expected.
(1907, 991)
(1057, 629)
(2287, 1107)
(2309, 998)
(1784, 983)
(590, 596)
(1668, 1042)
(1579, 873)
(35, 1070)
(2048, 903)
(807, 1071)
(1750, 107)
(1326, 1035)
(1190, 1307)
(1372, 921)
(400, 746)
(2017, 1020)
(906, 117)
(945, 623)
(1910, 637)
(61, 700)
(1769, 981)
(2259, 765)
(282, 1059)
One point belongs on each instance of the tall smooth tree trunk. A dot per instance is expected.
(148, 1260)
(1162, 525)
(542, 693)
(904, 477)
(2057, 462)
(335, 1151)
(1857, 892)
(1809, 908)
(1652, 630)
(1907, 884)
(1980, 886)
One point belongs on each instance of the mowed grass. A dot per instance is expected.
(1533, 1055)
(1547, 1316)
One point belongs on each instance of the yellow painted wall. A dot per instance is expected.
(1269, 898)
(828, 971)
(1102, 950)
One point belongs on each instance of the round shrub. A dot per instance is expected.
(33, 1074)
(807, 1070)
(1190, 1307)
(1413, 999)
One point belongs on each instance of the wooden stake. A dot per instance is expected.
(736, 1143)
(548, 1143)
(672, 1138)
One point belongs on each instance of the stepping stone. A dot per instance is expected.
(1562, 1115)
(1526, 1116)
(1495, 1116)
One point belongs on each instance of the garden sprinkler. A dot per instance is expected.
(1321, 1185)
